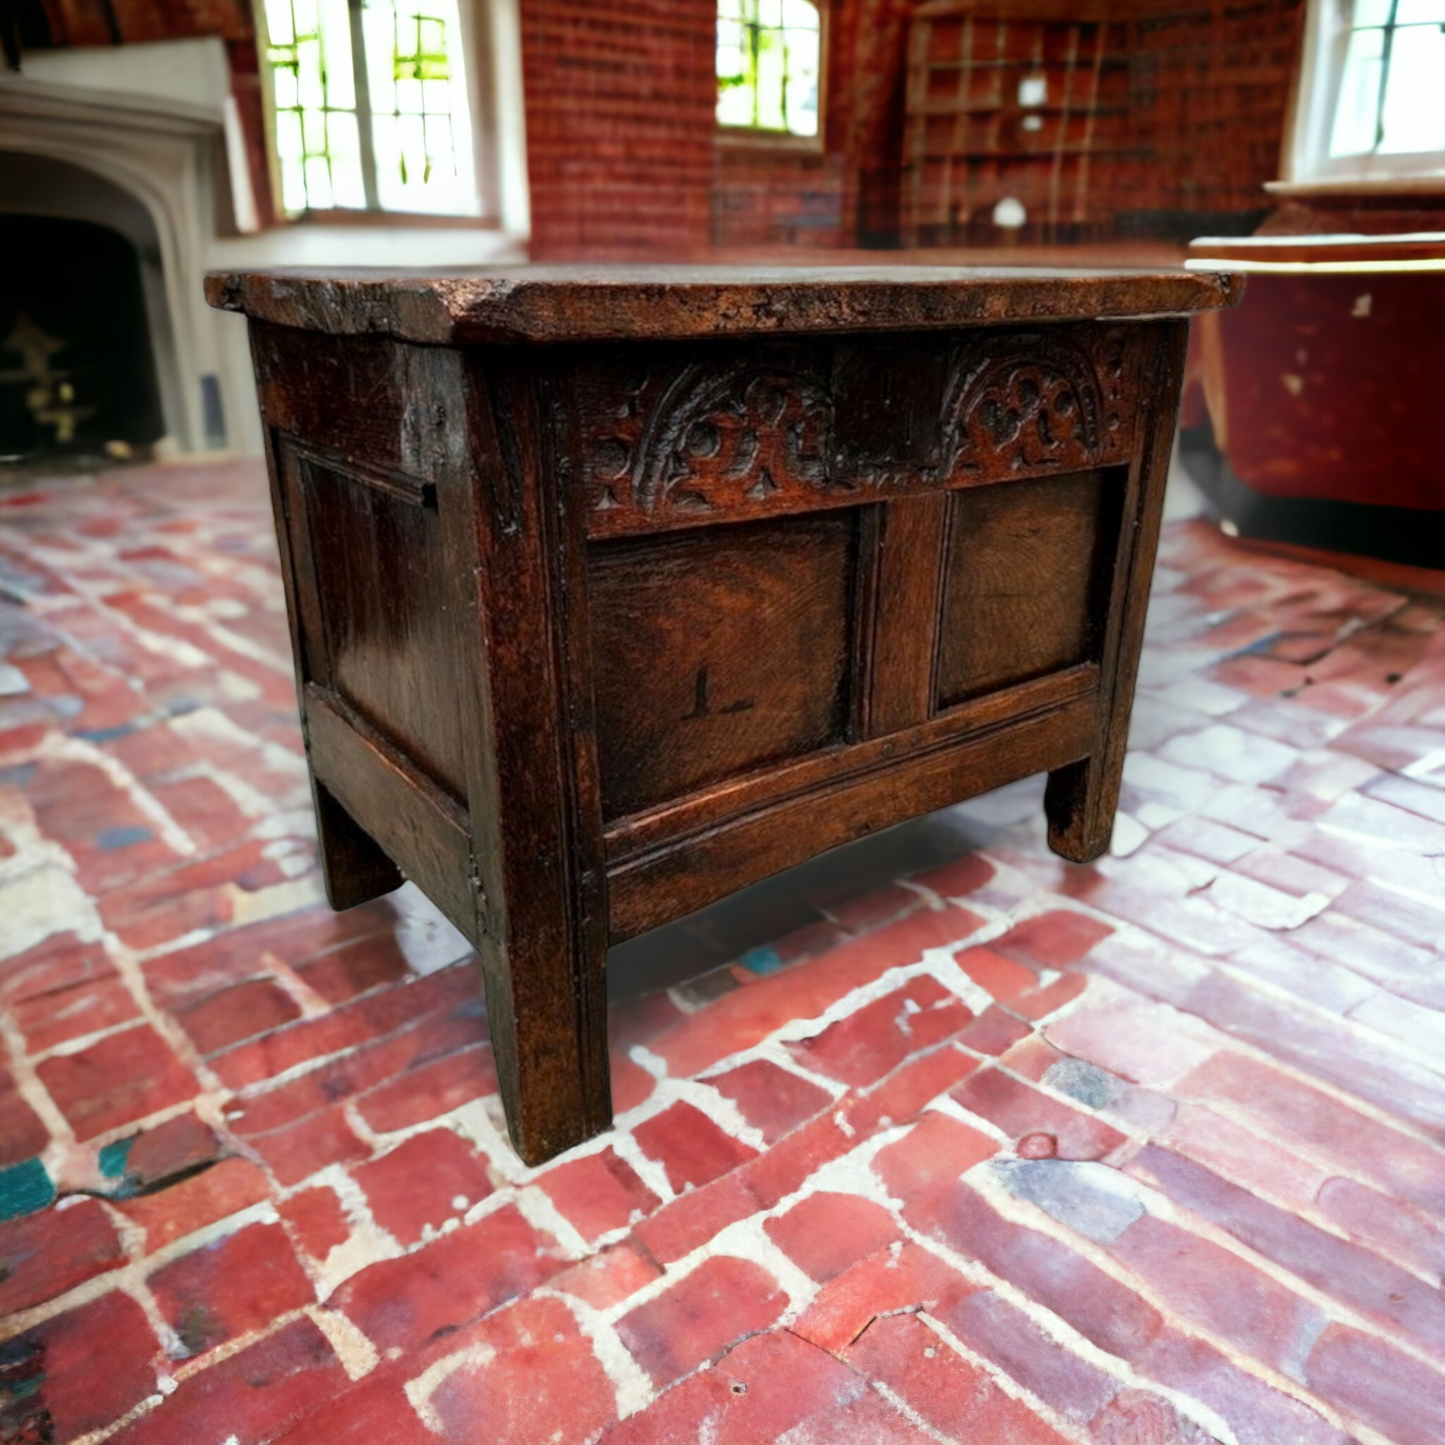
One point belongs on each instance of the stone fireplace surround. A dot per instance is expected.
(138, 138)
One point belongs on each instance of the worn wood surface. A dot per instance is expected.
(582, 303)
(590, 634)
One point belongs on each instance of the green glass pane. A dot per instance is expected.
(288, 136)
(313, 130)
(319, 196)
(771, 70)
(279, 29)
(309, 87)
(336, 54)
(283, 83)
(293, 185)
(344, 142)
(802, 92)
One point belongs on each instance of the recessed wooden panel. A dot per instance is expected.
(718, 651)
(387, 627)
(1026, 568)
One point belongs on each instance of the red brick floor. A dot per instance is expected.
(936, 1139)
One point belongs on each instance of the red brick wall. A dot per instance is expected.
(1211, 89)
(621, 136)
(93, 22)
(620, 101)
(1207, 90)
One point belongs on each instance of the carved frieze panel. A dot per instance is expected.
(674, 445)
(671, 441)
(716, 442)
(1030, 403)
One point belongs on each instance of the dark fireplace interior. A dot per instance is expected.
(77, 371)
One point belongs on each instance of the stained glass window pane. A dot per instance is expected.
(420, 122)
(768, 65)
(420, 156)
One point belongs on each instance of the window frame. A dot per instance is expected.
(1306, 165)
(474, 49)
(758, 138)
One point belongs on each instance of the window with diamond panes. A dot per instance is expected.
(369, 106)
(768, 66)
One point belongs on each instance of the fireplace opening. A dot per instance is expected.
(77, 368)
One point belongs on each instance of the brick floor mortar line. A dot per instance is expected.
(844, 1174)
(233, 641)
(367, 1242)
(536, 1207)
(1012, 1388)
(1031, 1217)
(949, 1106)
(1054, 1327)
(271, 1082)
(312, 1004)
(68, 1047)
(358, 1356)
(853, 1173)
(29, 1087)
(136, 1271)
(721, 1110)
(784, 1059)
(893, 1398)
(632, 1385)
(1306, 1212)
(1398, 1122)
(58, 746)
(127, 965)
(421, 1388)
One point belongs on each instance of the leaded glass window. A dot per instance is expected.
(369, 105)
(768, 55)
(1391, 97)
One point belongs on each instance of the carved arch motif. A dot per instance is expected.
(1035, 404)
(728, 440)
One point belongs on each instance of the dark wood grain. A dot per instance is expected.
(669, 438)
(733, 569)
(653, 888)
(908, 568)
(716, 653)
(383, 792)
(1080, 800)
(1025, 570)
(354, 867)
(391, 636)
(536, 817)
(599, 303)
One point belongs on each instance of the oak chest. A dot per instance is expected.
(613, 590)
